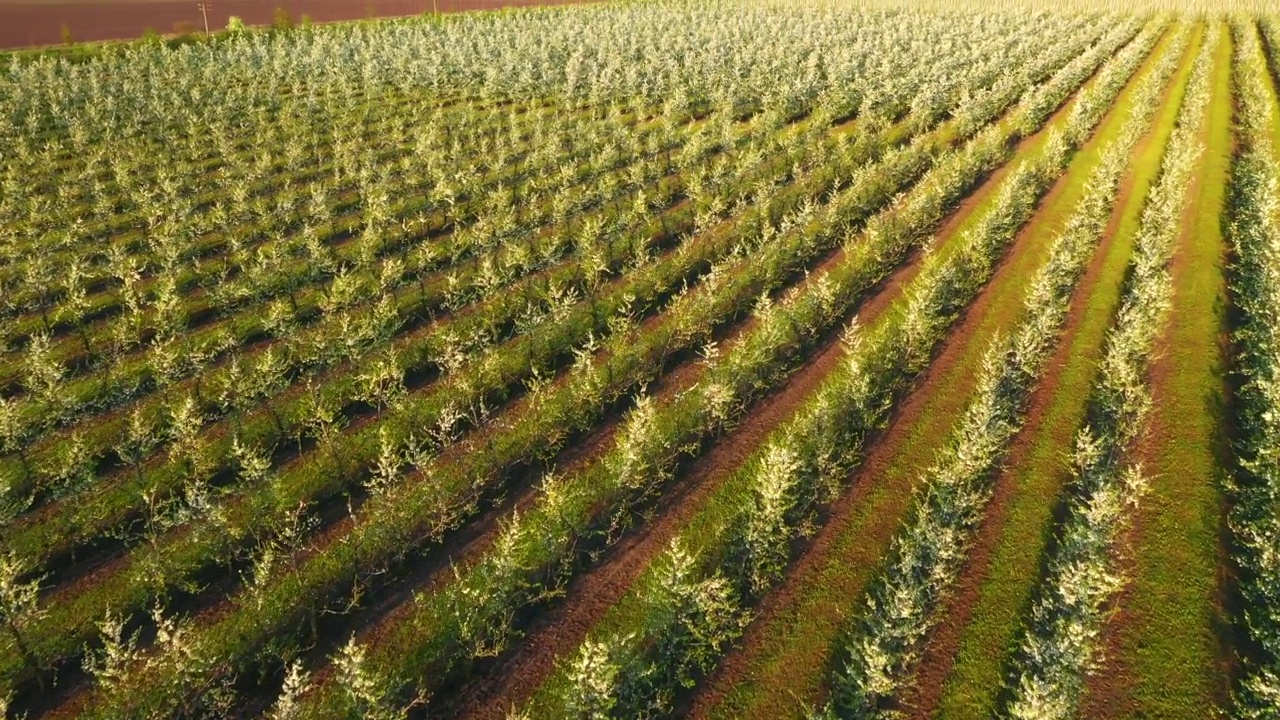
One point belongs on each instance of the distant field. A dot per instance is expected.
(650, 359)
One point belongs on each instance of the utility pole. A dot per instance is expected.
(205, 6)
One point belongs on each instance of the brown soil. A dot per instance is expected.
(24, 24)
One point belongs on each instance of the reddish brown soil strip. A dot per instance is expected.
(921, 699)
(775, 646)
(1172, 550)
(41, 23)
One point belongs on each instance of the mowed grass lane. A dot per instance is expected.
(1038, 467)
(1166, 656)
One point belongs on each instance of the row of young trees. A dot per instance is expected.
(1254, 233)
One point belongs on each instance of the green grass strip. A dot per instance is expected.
(1172, 616)
(905, 601)
(1061, 639)
(971, 688)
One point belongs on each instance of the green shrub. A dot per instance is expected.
(281, 20)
